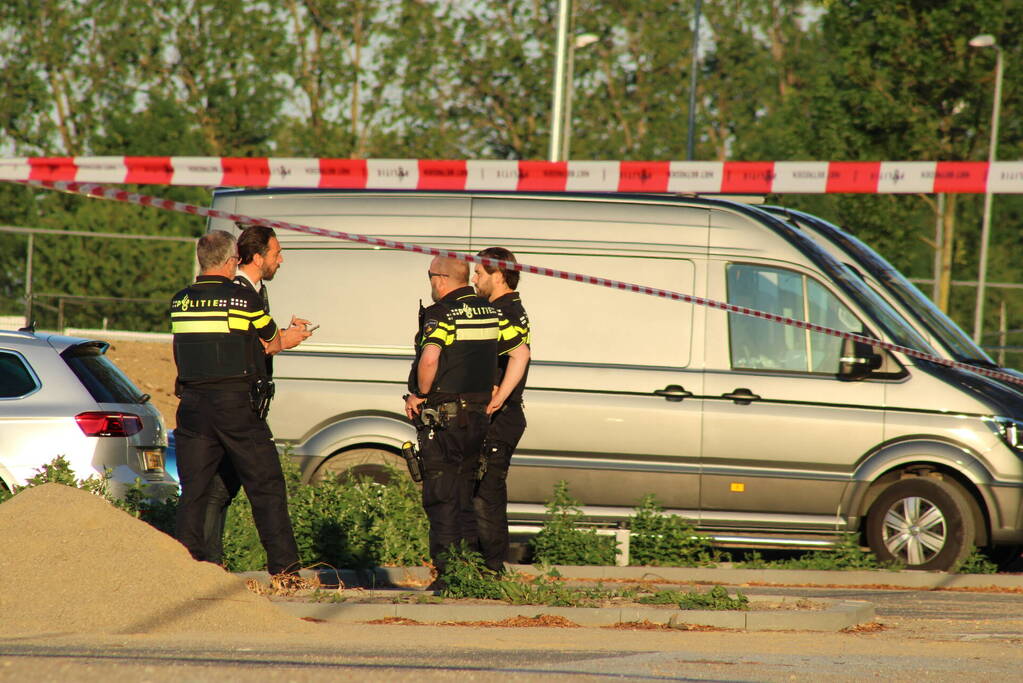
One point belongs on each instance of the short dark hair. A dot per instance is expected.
(511, 277)
(255, 239)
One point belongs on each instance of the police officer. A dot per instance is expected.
(450, 386)
(219, 331)
(259, 258)
(507, 418)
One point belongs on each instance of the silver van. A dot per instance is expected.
(757, 432)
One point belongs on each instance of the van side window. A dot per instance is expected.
(764, 345)
(15, 378)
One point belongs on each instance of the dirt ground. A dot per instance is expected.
(151, 367)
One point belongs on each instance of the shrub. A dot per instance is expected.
(136, 501)
(341, 522)
(467, 576)
(667, 540)
(976, 563)
(560, 541)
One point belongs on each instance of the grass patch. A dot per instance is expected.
(467, 577)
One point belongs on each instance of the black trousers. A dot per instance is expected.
(222, 489)
(218, 425)
(450, 461)
(490, 503)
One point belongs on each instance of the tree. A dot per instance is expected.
(902, 83)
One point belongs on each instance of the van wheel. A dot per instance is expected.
(360, 463)
(921, 523)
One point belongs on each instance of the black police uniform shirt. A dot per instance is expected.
(466, 328)
(244, 281)
(217, 327)
(514, 333)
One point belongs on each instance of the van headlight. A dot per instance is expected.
(1010, 431)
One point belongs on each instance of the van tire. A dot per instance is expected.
(921, 504)
(360, 462)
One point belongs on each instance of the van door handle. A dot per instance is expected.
(673, 392)
(742, 397)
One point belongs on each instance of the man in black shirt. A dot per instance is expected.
(507, 417)
(450, 385)
(221, 337)
(259, 258)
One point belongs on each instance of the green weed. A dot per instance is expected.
(561, 541)
(976, 563)
(661, 539)
(846, 555)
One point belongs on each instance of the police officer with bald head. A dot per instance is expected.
(450, 386)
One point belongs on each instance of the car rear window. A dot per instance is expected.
(99, 375)
(16, 379)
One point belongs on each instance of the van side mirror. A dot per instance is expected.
(858, 360)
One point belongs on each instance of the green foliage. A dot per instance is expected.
(341, 522)
(976, 563)
(561, 541)
(716, 598)
(137, 499)
(660, 539)
(466, 575)
(846, 555)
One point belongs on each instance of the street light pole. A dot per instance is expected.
(579, 43)
(987, 40)
(557, 111)
(691, 133)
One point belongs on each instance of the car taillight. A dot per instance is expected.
(98, 423)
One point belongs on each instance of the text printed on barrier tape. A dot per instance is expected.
(92, 190)
(690, 177)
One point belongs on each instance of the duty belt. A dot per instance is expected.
(441, 414)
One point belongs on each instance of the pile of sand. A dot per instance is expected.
(73, 563)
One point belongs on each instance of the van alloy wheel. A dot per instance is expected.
(921, 523)
(373, 463)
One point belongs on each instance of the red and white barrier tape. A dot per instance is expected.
(728, 177)
(92, 190)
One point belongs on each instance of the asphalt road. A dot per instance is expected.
(925, 635)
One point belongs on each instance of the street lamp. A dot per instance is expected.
(558, 96)
(987, 40)
(581, 41)
(691, 131)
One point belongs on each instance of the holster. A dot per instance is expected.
(261, 393)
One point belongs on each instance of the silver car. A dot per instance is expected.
(61, 396)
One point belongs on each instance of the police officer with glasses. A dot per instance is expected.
(450, 386)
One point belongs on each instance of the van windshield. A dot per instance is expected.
(891, 322)
(950, 335)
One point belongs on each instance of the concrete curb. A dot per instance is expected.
(836, 615)
(380, 577)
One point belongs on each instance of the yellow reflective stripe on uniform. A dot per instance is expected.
(260, 323)
(198, 326)
(508, 333)
(442, 335)
(198, 314)
(477, 329)
(477, 333)
(238, 323)
(246, 314)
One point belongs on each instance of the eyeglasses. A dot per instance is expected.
(433, 274)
